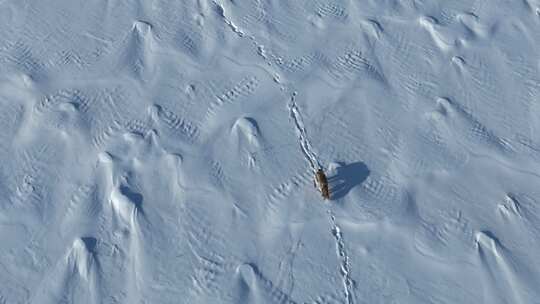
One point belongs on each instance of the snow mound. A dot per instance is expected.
(166, 151)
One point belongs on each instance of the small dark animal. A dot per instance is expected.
(322, 183)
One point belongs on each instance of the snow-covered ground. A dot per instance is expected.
(163, 151)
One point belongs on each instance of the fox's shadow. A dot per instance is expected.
(346, 177)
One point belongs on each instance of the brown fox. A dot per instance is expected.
(322, 183)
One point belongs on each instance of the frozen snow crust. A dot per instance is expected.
(164, 151)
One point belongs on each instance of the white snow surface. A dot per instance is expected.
(163, 151)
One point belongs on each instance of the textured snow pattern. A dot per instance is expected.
(164, 151)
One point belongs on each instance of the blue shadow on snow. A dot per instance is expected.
(347, 177)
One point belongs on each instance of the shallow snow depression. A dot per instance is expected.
(164, 151)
